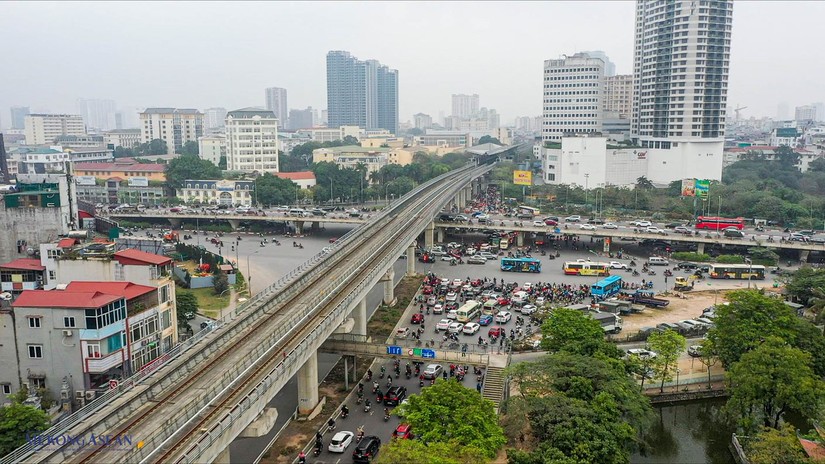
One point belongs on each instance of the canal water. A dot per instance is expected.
(687, 433)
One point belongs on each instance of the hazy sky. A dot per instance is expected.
(202, 54)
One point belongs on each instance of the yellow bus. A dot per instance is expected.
(468, 311)
(504, 243)
(588, 268)
(490, 307)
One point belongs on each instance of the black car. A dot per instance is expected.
(395, 395)
(674, 225)
(367, 449)
(687, 265)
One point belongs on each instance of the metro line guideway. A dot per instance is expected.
(254, 309)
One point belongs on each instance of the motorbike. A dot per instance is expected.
(367, 406)
(632, 263)
(635, 273)
(651, 273)
(386, 415)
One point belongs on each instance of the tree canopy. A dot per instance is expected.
(272, 190)
(419, 452)
(17, 420)
(489, 139)
(447, 412)
(186, 302)
(776, 446)
(573, 331)
(154, 147)
(190, 148)
(190, 167)
(668, 345)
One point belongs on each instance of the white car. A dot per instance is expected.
(641, 223)
(438, 308)
(540, 300)
(609, 225)
(587, 227)
(471, 328)
(452, 314)
(443, 324)
(656, 230)
(538, 224)
(452, 296)
(448, 258)
(528, 309)
(503, 317)
(487, 255)
(573, 218)
(455, 327)
(641, 352)
(527, 285)
(340, 442)
(458, 282)
(617, 265)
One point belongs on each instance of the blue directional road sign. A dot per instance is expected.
(394, 350)
(430, 354)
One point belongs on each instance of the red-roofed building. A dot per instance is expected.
(125, 168)
(132, 256)
(304, 179)
(86, 333)
(129, 265)
(22, 274)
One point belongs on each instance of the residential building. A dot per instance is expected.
(214, 119)
(116, 190)
(303, 179)
(43, 207)
(18, 116)
(30, 159)
(98, 114)
(768, 153)
(444, 138)
(680, 82)
(351, 156)
(123, 168)
(301, 119)
(276, 102)
(423, 121)
(218, 192)
(289, 140)
(618, 95)
(22, 274)
(361, 93)
(609, 66)
(42, 129)
(465, 106)
(331, 134)
(252, 140)
(175, 126)
(80, 141)
(126, 138)
(591, 162)
(573, 96)
(212, 148)
(805, 113)
(785, 136)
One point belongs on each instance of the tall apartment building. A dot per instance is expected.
(465, 106)
(18, 116)
(214, 118)
(680, 82)
(212, 148)
(301, 119)
(252, 140)
(609, 66)
(42, 129)
(361, 93)
(98, 114)
(618, 95)
(175, 126)
(805, 113)
(423, 121)
(276, 102)
(573, 96)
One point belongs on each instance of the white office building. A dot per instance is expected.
(680, 81)
(175, 126)
(465, 106)
(43, 129)
(591, 162)
(98, 114)
(423, 121)
(214, 118)
(252, 140)
(573, 96)
(276, 102)
(805, 113)
(212, 148)
(618, 95)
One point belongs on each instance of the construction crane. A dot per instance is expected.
(737, 110)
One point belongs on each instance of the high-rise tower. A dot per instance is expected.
(361, 93)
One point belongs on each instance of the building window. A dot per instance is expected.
(7, 389)
(93, 350)
(35, 351)
(34, 322)
(37, 384)
(53, 254)
(68, 322)
(164, 294)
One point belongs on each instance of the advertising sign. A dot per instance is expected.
(523, 177)
(138, 182)
(688, 187)
(702, 187)
(85, 180)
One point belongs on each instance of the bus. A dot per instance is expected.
(588, 268)
(504, 243)
(737, 271)
(468, 311)
(520, 265)
(529, 210)
(490, 307)
(606, 287)
(719, 223)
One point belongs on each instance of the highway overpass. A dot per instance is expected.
(212, 387)
(235, 220)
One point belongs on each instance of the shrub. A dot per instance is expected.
(691, 256)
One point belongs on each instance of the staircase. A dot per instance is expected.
(494, 385)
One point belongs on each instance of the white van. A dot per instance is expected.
(297, 212)
(657, 261)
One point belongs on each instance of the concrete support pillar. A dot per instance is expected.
(234, 224)
(175, 223)
(462, 195)
(389, 287)
(223, 458)
(299, 227)
(359, 315)
(803, 256)
(428, 236)
(520, 239)
(410, 260)
(316, 225)
(440, 235)
(308, 385)
(700, 248)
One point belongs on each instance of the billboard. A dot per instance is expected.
(84, 180)
(702, 187)
(138, 182)
(523, 177)
(688, 187)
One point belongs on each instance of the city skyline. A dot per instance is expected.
(428, 77)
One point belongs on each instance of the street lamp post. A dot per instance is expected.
(750, 263)
(249, 273)
(586, 180)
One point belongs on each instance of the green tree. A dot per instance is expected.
(419, 452)
(154, 147)
(643, 183)
(290, 163)
(220, 282)
(488, 139)
(350, 140)
(190, 167)
(123, 152)
(573, 331)
(770, 380)
(186, 302)
(272, 190)
(776, 446)
(190, 148)
(802, 283)
(17, 420)
(668, 345)
(222, 163)
(708, 356)
(432, 415)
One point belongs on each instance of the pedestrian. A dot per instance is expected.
(478, 386)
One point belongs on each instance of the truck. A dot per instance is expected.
(648, 298)
(683, 284)
(611, 323)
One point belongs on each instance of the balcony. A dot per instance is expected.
(103, 364)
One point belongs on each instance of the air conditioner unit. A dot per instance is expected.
(67, 333)
(79, 394)
(90, 395)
